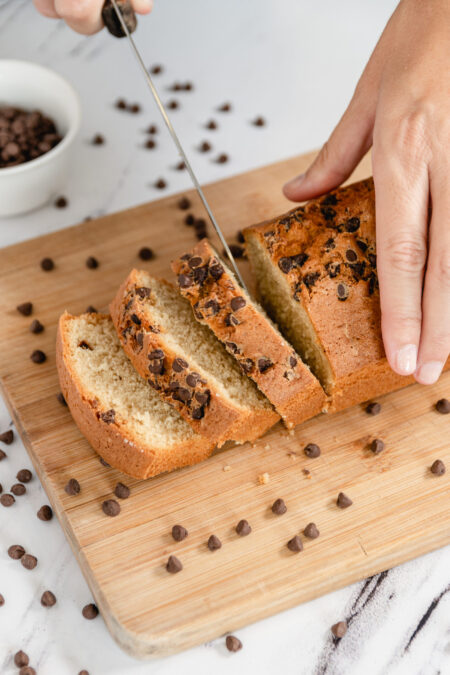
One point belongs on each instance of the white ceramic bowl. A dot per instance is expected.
(28, 85)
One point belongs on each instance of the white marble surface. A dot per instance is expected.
(296, 63)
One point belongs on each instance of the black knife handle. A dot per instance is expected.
(111, 20)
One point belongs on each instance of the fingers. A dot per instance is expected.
(47, 8)
(142, 6)
(84, 16)
(401, 193)
(435, 338)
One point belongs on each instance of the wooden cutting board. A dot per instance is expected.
(400, 509)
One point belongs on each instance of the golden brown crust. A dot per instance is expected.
(111, 441)
(248, 335)
(185, 386)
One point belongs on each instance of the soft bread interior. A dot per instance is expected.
(95, 356)
(197, 344)
(290, 316)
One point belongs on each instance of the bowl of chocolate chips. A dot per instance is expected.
(39, 119)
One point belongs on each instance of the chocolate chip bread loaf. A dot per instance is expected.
(123, 418)
(316, 273)
(248, 334)
(185, 363)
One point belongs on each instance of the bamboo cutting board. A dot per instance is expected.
(400, 509)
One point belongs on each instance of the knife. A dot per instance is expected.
(120, 19)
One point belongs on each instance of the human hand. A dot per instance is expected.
(401, 107)
(84, 16)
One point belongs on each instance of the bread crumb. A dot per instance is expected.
(263, 478)
(227, 467)
(292, 455)
(291, 432)
(267, 447)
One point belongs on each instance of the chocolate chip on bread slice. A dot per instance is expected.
(248, 334)
(124, 419)
(185, 363)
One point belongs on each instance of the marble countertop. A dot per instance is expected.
(295, 63)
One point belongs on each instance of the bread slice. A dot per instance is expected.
(316, 273)
(248, 334)
(123, 418)
(185, 363)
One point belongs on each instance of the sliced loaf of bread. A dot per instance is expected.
(248, 334)
(184, 362)
(122, 417)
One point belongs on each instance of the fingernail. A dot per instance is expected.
(406, 360)
(429, 372)
(295, 182)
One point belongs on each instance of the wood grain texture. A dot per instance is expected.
(400, 509)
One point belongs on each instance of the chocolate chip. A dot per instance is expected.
(90, 611)
(312, 450)
(203, 397)
(342, 292)
(173, 565)
(45, 513)
(189, 219)
(183, 203)
(180, 166)
(47, 264)
(236, 251)
(328, 213)
(310, 279)
(2, 600)
(231, 320)
(247, 365)
(38, 356)
(212, 307)
(16, 551)
(7, 500)
(160, 184)
(18, 489)
(311, 531)
(243, 528)
(233, 643)
(216, 270)
(156, 69)
(351, 255)
(292, 361)
(173, 104)
(352, 224)
(25, 308)
(179, 532)
(259, 122)
(2, 455)
(48, 599)
(377, 446)
(135, 319)
(361, 245)
(204, 146)
(61, 202)
(212, 125)
(333, 269)
(36, 327)
(184, 281)
(90, 310)
(146, 253)
(120, 104)
(232, 347)
(221, 159)
(98, 139)
(182, 394)
(339, 629)
(104, 463)
(285, 265)
(29, 561)
(343, 501)
(111, 508)
(179, 365)
(372, 259)
(198, 413)
(92, 263)
(134, 108)
(194, 262)
(237, 303)
(192, 379)
(24, 475)
(108, 417)
(442, 406)
(214, 543)
(372, 284)
(122, 491)
(7, 437)
(200, 275)
(21, 659)
(225, 107)
(72, 488)
(279, 507)
(438, 467)
(295, 544)
(150, 144)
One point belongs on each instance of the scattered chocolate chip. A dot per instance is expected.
(442, 406)
(72, 488)
(173, 104)
(25, 308)
(60, 398)
(18, 489)
(108, 417)
(189, 219)
(438, 467)
(372, 259)
(135, 319)
(16, 551)
(143, 292)
(157, 69)
(212, 125)
(342, 292)
(7, 499)
(121, 104)
(237, 303)
(343, 501)
(279, 507)
(179, 365)
(243, 528)
(21, 659)
(7, 437)
(90, 611)
(203, 397)
(111, 508)
(24, 475)
(180, 166)
(104, 463)
(36, 327)
(61, 202)
(361, 245)
(194, 262)
(264, 364)
(233, 643)
(231, 320)
(285, 265)
(310, 279)
(29, 561)
(192, 379)
(38, 356)
(377, 446)
(351, 255)
(311, 531)
(122, 491)
(150, 144)
(259, 122)
(173, 565)
(134, 108)
(184, 203)
(295, 544)
(179, 532)
(214, 543)
(328, 213)
(2, 600)
(225, 107)
(204, 146)
(98, 139)
(2, 455)
(92, 263)
(152, 129)
(160, 184)
(339, 629)
(222, 158)
(352, 224)
(48, 599)
(216, 270)
(90, 310)
(373, 408)
(47, 264)
(184, 281)
(45, 513)
(312, 450)
(198, 413)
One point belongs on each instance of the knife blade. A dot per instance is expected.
(162, 110)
